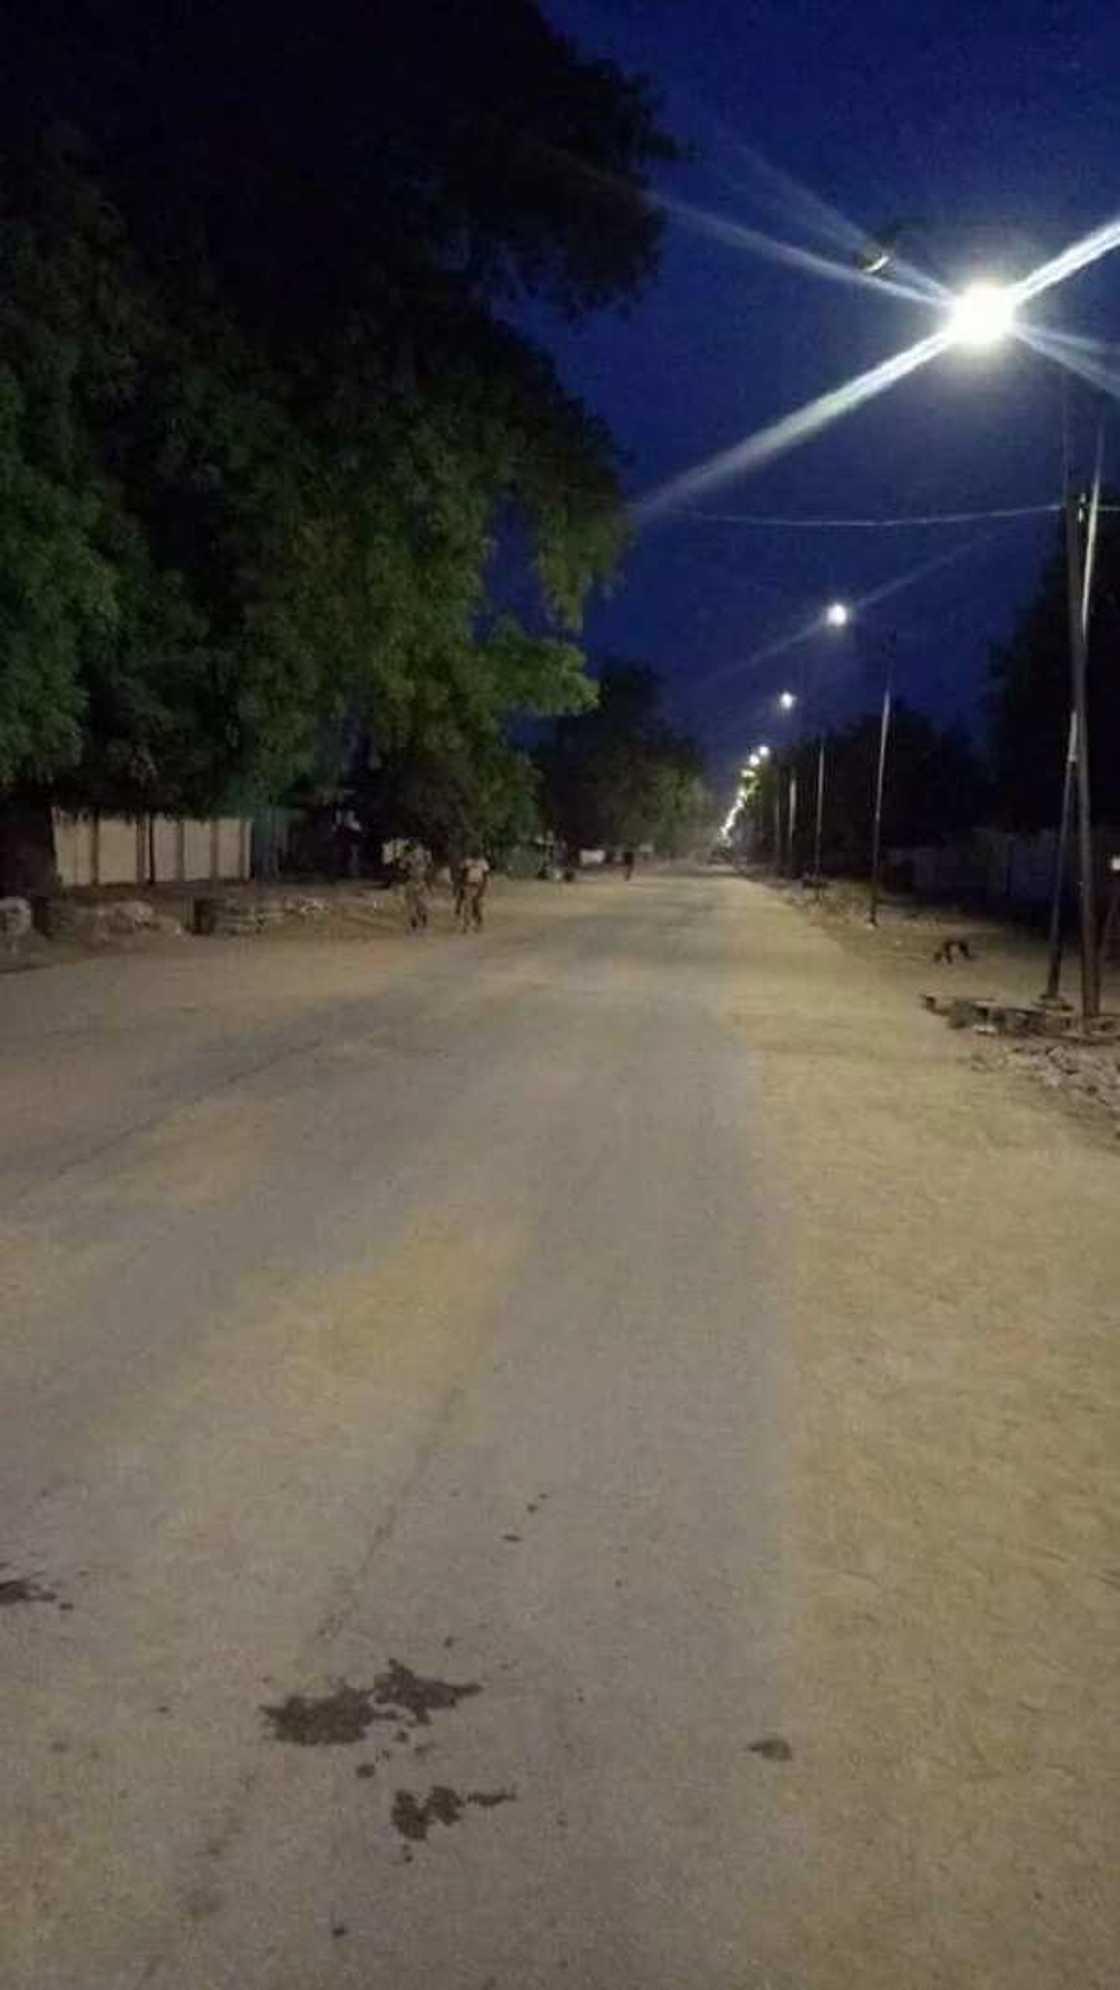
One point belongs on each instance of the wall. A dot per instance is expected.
(999, 868)
(112, 849)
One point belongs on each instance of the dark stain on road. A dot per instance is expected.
(332, 1721)
(407, 1692)
(773, 1748)
(22, 1589)
(414, 1819)
(340, 1718)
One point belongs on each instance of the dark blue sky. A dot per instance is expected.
(995, 122)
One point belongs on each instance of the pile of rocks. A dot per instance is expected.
(1088, 1074)
(15, 920)
(237, 914)
(109, 919)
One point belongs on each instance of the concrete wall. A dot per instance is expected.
(113, 849)
(1000, 868)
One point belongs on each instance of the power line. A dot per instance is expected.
(869, 524)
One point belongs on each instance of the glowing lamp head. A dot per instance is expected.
(764, 753)
(837, 614)
(787, 700)
(982, 315)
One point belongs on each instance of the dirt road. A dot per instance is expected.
(581, 1456)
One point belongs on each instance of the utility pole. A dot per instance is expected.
(877, 830)
(1052, 991)
(820, 810)
(1078, 649)
(777, 821)
(792, 824)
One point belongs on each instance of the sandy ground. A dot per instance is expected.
(645, 1327)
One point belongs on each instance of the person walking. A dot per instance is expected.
(416, 888)
(473, 879)
(628, 864)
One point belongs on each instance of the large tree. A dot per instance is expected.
(293, 427)
(1030, 693)
(619, 775)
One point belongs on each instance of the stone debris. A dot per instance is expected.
(15, 919)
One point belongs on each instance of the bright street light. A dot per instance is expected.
(982, 315)
(753, 761)
(837, 614)
(763, 752)
(787, 700)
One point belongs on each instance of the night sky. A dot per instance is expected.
(995, 126)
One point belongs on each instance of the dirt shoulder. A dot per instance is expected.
(1005, 963)
(951, 1809)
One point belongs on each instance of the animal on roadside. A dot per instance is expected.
(951, 950)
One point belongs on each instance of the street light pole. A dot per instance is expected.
(1078, 647)
(792, 823)
(1052, 991)
(877, 828)
(820, 811)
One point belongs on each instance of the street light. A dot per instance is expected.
(787, 700)
(837, 615)
(982, 315)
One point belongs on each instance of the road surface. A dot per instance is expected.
(531, 1460)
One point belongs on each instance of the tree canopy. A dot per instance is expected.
(936, 786)
(619, 776)
(1029, 699)
(262, 426)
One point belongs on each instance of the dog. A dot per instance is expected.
(951, 950)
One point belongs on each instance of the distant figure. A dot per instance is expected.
(416, 888)
(628, 864)
(473, 876)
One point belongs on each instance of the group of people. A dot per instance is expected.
(469, 877)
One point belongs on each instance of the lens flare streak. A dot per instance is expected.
(767, 443)
(1106, 379)
(1088, 250)
(742, 237)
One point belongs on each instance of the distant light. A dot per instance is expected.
(787, 701)
(764, 753)
(753, 761)
(982, 315)
(837, 614)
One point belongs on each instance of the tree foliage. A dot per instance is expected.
(262, 428)
(1030, 693)
(935, 787)
(618, 776)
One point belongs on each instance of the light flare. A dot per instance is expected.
(1065, 353)
(767, 443)
(775, 250)
(1089, 249)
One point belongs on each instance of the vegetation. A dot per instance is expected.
(618, 776)
(1029, 700)
(936, 786)
(261, 425)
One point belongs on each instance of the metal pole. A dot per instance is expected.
(1052, 990)
(820, 810)
(792, 821)
(1090, 990)
(777, 820)
(877, 830)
